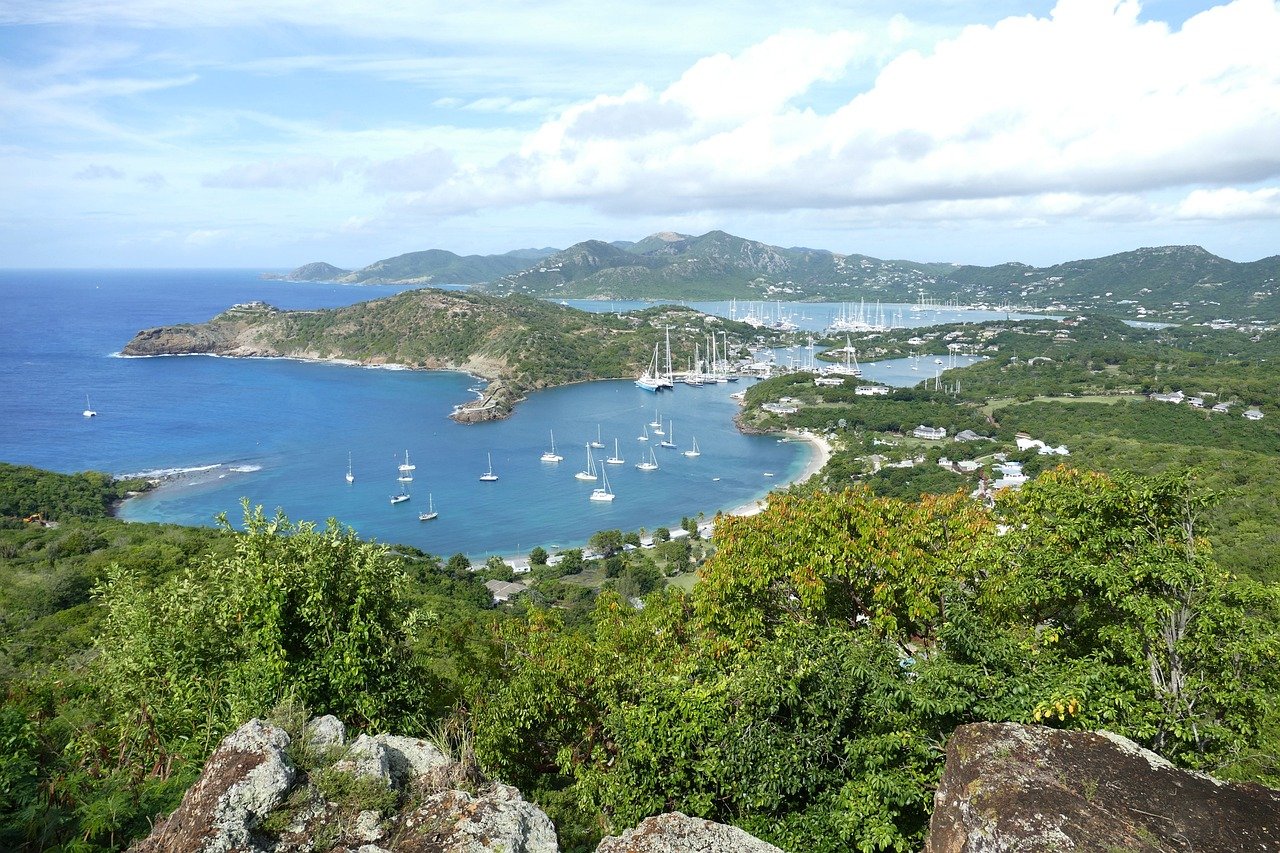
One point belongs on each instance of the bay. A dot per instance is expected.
(277, 432)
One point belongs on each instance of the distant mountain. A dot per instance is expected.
(1173, 282)
(531, 254)
(433, 266)
(318, 271)
(1167, 282)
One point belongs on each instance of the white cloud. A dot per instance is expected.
(1230, 203)
(1090, 100)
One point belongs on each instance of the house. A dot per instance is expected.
(1253, 414)
(970, 435)
(1221, 408)
(871, 390)
(1195, 402)
(504, 591)
(1174, 397)
(931, 433)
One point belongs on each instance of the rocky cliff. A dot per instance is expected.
(1009, 787)
(264, 792)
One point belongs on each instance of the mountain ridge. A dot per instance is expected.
(1176, 282)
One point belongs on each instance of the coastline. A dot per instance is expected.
(817, 461)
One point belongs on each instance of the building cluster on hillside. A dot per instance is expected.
(1026, 442)
(1253, 413)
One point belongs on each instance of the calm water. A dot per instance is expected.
(278, 432)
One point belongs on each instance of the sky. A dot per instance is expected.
(272, 133)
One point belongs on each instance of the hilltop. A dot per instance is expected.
(1164, 282)
(518, 343)
(433, 266)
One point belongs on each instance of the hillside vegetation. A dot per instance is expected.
(520, 343)
(1169, 282)
(803, 690)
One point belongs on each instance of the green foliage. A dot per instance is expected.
(295, 610)
(805, 687)
(538, 556)
(26, 491)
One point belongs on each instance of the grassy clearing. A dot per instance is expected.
(991, 406)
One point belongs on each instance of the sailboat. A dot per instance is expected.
(643, 436)
(402, 479)
(406, 469)
(694, 452)
(651, 464)
(88, 410)
(351, 478)
(671, 431)
(651, 380)
(604, 493)
(656, 423)
(616, 458)
(430, 514)
(489, 476)
(598, 444)
(551, 455)
(590, 473)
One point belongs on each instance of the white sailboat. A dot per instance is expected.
(551, 455)
(406, 469)
(694, 452)
(430, 514)
(650, 464)
(651, 380)
(598, 444)
(643, 436)
(88, 410)
(351, 478)
(489, 476)
(656, 423)
(604, 493)
(671, 431)
(616, 458)
(590, 472)
(402, 479)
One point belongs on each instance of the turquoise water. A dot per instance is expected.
(278, 432)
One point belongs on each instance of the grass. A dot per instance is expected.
(992, 405)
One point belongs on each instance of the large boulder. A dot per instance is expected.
(1010, 788)
(678, 833)
(493, 820)
(246, 777)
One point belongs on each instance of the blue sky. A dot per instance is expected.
(277, 132)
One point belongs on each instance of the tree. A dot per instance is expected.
(661, 534)
(459, 566)
(296, 611)
(606, 543)
(538, 556)
(571, 561)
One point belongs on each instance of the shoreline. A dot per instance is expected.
(821, 454)
(817, 461)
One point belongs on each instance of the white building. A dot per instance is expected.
(931, 433)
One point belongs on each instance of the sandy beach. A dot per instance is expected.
(821, 454)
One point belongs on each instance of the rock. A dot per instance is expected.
(1009, 788)
(411, 758)
(457, 822)
(325, 732)
(367, 757)
(678, 833)
(245, 778)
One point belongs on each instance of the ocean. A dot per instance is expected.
(278, 432)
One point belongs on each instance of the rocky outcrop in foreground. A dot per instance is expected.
(383, 794)
(1009, 788)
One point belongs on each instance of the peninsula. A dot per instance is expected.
(519, 344)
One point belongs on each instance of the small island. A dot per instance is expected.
(518, 344)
